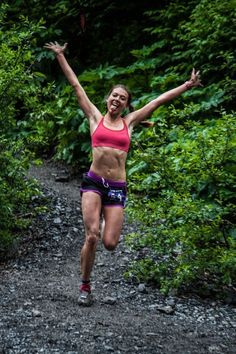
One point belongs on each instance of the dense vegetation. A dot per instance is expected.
(18, 90)
(182, 171)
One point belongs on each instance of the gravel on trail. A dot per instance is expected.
(39, 312)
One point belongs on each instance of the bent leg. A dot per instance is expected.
(113, 217)
(91, 209)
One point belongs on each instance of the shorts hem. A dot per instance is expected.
(90, 190)
(114, 205)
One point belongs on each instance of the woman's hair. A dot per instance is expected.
(145, 123)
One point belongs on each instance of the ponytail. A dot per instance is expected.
(147, 123)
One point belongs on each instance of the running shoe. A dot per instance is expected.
(85, 297)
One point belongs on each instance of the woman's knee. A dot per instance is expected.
(110, 245)
(92, 237)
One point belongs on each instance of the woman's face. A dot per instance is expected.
(117, 100)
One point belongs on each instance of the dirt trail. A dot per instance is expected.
(38, 305)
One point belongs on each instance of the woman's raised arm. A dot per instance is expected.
(145, 112)
(86, 105)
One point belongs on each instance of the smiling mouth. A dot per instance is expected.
(114, 106)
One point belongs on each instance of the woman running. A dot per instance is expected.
(103, 188)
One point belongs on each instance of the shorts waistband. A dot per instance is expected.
(104, 181)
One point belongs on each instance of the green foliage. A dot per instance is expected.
(72, 130)
(87, 47)
(16, 85)
(187, 209)
(16, 192)
(201, 34)
(182, 173)
(51, 128)
(57, 124)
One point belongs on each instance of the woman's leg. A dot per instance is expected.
(91, 210)
(113, 218)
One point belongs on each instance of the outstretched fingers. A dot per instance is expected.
(64, 46)
(49, 45)
(195, 78)
(55, 47)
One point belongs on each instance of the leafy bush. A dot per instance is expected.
(58, 125)
(187, 204)
(17, 85)
(182, 174)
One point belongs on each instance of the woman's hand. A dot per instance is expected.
(194, 80)
(55, 47)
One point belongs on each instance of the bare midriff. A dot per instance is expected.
(109, 163)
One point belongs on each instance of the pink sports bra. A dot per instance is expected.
(117, 139)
